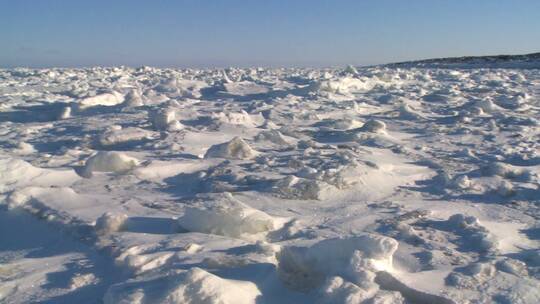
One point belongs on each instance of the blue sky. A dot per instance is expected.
(199, 33)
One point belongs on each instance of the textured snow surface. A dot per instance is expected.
(369, 185)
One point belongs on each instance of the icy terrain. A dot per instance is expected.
(373, 185)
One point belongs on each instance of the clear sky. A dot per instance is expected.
(213, 33)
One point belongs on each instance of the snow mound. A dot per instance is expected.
(227, 216)
(354, 258)
(109, 161)
(110, 222)
(237, 148)
(16, 173)
(194, 286)
(105, 99)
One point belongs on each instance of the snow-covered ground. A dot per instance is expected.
(376, 185)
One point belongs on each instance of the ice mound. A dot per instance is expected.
(506, 171)
(340, 124)
(110, 222)
(350, 69)
(136, 261)
(512, 266)
(16, 173)
(227, 216)
(460, 182)
(243, 88)
(485, 241)
(237, 148)
(374, 126)
(472, 276)
(406, 112)
(194, 286)
(273, 136)
(106, 99)
(505, 189)
(345, 85)
(239, 118)
(113, 137)
(487, 106)
(133, 99)
(293, 187)
(65, 113)
(181, 87)
(109, 161)
(336, 290)
(354, 258)
(164, 119)
(24, 148)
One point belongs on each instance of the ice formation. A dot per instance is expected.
(191, 287)
(386, 184)
(227, 216)
(110, 222)
(236, 148)
(109, 161)
(104, 99)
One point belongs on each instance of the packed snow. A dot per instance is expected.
(391, 184)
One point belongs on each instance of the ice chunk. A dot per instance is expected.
(512, 266)
(110, 222)
(506, 171)
(374, 126)
(239, 118)
(237, 148)
(65, 113)
(105, 99)
(227, 216)
(336, 290)
(113, 137)
(24, 148)
(243, 88)
(133, 99)
(194, 286)
(109, 161)
(300, 188)
(15, 173)
(273, 136)
(345, 85)
(406, 112)
(164, 119)
(356, 258)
